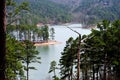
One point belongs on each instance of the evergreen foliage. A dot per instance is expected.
(68, 59)
(93, 11)
(99, 54)
(41, 11)
(19, 54)
(30, 32)
(53, 67)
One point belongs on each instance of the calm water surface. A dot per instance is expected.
(53, 52)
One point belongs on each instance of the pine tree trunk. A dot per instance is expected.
(105, 66)
(93, 72)
(97, 74)
(78, 59)
(27, 66)
(27, 72)
(2, 40)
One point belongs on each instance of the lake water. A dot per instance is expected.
(53, 52)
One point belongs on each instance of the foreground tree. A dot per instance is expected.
(14, 11)
(100, 53)
(102, 50)
(68, 59)
(30, 56)
(19, 52)
(3, 39)
(14, 66)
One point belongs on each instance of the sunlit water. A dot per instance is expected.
(53, 52)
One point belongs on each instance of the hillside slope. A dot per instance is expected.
(72, 4)
(46, 12)
(96, 10)
(84, 11)
(92, 11)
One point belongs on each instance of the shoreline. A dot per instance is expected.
(47, 43)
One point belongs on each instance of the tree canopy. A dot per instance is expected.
(100, 52)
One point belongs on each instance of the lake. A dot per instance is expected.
(53, 52)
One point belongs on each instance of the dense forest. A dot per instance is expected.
(41, 11)
(99, 54)
(60, 11)
(97, 10)
(92, 11)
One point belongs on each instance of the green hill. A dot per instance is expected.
(46, 11)
(92, 11)
(84, 11)
(96, 10)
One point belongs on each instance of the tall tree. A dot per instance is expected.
(53, 68)
(102, 48)
(14, 53)
(30, 56)
(14, 10)
(52, 32)
(68, 59)
(45, 33)
(3, 39)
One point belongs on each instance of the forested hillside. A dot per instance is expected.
(72, 4)
(92, 11)
(96, 10)
(84, 11)
(46, 11)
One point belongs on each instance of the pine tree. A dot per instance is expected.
(3, 39)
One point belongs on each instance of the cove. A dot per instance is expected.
(49, 53)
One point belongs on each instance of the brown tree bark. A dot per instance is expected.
(2, 39)
(78, 58)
